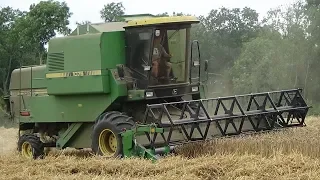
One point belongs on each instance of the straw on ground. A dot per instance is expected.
(290, 154)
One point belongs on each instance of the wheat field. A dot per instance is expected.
(290, 154)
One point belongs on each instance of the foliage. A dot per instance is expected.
(270, 63)
(112, 12)
(23, 35)
(44, 20)
(284, 56)
(222, 33)
(277, 58)
(166, 14)
(10, 46)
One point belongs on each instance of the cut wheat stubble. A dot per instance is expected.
(290, 154)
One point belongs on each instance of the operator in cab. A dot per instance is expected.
(161, 66)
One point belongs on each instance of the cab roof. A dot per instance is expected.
(131, 21)
(162, 20)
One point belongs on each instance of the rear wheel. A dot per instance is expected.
(106, 139)
(30, 146)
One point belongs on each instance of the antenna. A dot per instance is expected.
(87, 28)
(78, 30)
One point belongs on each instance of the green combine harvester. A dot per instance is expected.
(134, 88)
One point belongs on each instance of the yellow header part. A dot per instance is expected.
(162, 20)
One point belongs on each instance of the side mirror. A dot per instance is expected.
(206, 65)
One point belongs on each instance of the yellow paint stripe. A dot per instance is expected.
(27, 92)
(161, 20)
(54, 75)
(74, 74)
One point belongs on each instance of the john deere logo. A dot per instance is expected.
(175, 91)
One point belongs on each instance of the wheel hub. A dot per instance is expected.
(107, 143)
(26, 150)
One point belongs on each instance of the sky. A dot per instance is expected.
(88, 10)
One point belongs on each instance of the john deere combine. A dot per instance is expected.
(134, 88)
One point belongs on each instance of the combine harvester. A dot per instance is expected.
(134, 88)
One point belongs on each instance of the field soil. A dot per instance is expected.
(289, 154)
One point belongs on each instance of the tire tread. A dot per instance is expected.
(35, 142)
(115, 120)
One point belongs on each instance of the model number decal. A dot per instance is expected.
(74, 74)
(80, 73)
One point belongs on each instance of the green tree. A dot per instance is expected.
(279, 58)
(112, 12)
(285, 19)
(44, 21)
(222, 34)
(23, 35)
(10, 45)
(259, 65)
(166, 14)
(313, 13)
(313, 83)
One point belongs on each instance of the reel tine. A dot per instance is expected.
(234, 115)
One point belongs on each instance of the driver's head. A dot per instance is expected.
(158, 36)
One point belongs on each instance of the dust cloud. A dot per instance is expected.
(8, 140)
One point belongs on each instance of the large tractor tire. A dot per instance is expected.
(30, 146)
(106, 138)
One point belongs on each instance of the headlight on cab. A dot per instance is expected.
(149, 94)
(195, 89)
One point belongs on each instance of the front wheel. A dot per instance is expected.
(106, 139)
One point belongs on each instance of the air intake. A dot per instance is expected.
(56, 61)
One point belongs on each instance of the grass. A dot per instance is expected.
(290, 154)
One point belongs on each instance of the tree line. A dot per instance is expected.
(246, 52)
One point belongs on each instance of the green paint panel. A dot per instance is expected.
(80, 53)
(82, 138)
(131, 148)
(118, 87)
(68, 134)
(74, 54)
(78, 85)
(68, 108)
(74, 108)
(36, 77)
(112, 49)
(83, 53)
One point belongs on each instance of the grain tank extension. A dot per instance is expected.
(134, 88)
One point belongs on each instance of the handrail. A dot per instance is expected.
(191, 61)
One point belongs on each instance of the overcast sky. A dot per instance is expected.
(89, 9)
